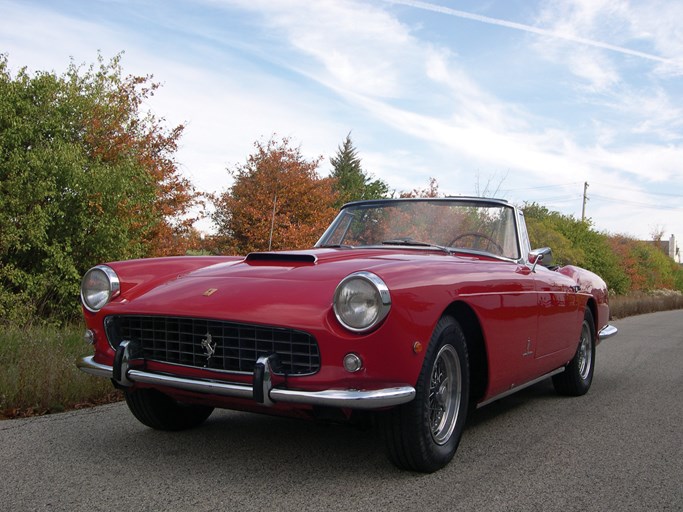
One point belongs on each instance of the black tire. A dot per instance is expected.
(161, 412)
(577, 377)
(424, 434)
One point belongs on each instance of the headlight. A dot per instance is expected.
(361, 301)
(100, 285)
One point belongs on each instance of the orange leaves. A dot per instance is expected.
(117, 133)
(277, 191)
(647, 267)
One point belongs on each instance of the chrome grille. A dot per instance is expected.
(178, 340)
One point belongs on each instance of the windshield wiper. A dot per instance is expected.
(411, 242)
(336, 246)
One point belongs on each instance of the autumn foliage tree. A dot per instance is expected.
(431, 191)
(117, 130)
(85, 177)
(276, 191)
(646, 265)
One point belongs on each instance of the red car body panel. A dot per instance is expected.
(530, 320)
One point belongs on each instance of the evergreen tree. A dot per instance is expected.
(352, 182)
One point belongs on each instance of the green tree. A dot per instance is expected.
(575, 242)
(352, 182)
(85, 177)
(277, 201)
(542, 225)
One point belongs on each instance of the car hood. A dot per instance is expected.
(273, 288)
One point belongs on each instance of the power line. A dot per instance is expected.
(561, 199)
(636, 203)
(641, 191)
(544, 186)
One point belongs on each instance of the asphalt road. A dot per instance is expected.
(618, 448)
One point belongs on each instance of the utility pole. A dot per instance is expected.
(585, 199)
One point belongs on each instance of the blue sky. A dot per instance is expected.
(525, 98)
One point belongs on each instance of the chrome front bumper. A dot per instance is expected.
(607, 332)
(261, 391)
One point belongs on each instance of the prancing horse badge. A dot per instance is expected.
(209, 347)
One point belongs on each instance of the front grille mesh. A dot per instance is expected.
(236, 346)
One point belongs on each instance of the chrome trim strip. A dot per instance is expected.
(199, 386)
(520, 387)
(607, 332)
(349, 398)
(89, 366)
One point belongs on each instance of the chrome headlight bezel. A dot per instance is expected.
(361, 301)
(99, 286)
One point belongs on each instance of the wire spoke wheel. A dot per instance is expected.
(577, 377)
(585, 354)
(424, 434)
(445, 392)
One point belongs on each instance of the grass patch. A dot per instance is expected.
(38, 373)
(642, 303)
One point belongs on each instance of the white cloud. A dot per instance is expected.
(659, 23)
(316, 70)
(473, 126)
(352, 44)
(598, 71)
(617, 26)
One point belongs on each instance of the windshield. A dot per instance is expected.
(447, 224)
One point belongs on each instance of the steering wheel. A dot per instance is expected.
(477, 235)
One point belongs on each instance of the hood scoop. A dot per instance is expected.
(280, 257)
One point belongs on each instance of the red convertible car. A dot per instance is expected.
(414, 309)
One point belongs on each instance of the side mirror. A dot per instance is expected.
(544, 256)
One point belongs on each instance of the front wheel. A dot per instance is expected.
(424, 434)
(161, 412)
(578, 375)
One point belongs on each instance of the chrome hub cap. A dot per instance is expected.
(442, 394)
(585, 352)
(445, 391)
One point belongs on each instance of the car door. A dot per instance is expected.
(558, 313)
(507, 304)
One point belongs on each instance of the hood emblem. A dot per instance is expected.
(209, 347)
(210, 292)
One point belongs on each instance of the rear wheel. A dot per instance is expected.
(161, 412)
(424, 434)
(578, 375)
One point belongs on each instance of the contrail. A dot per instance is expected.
(529, 28)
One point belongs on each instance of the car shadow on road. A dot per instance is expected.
(244, 443)
(524, 399)
(240, 443)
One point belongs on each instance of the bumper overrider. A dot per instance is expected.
(124, 374)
